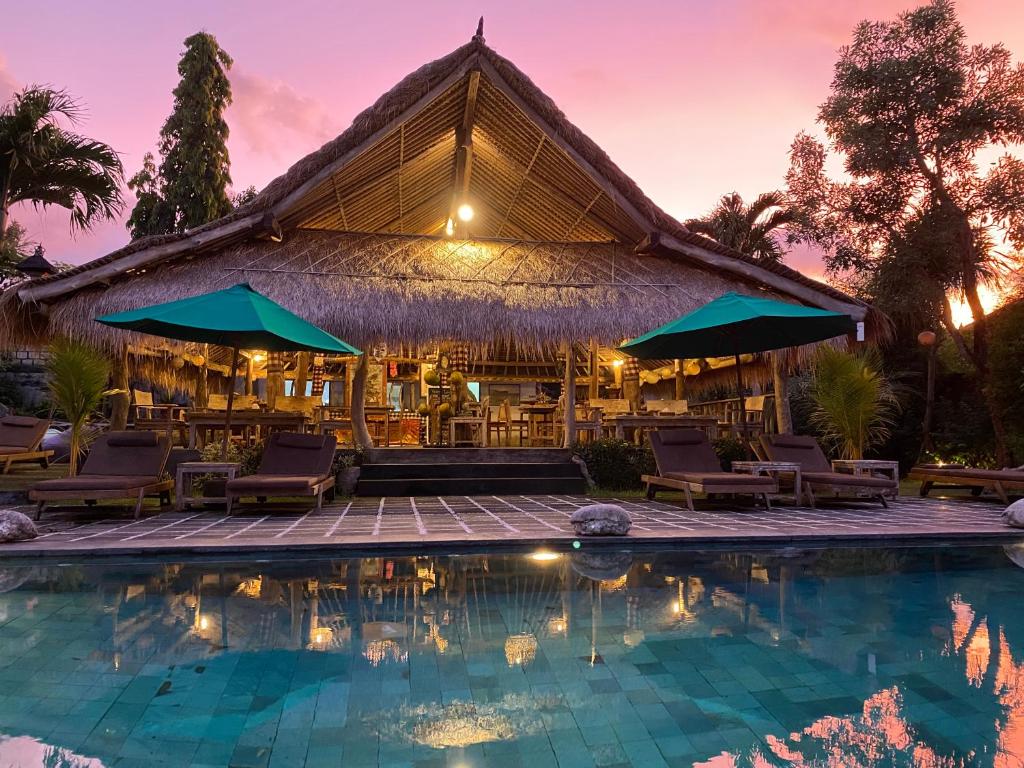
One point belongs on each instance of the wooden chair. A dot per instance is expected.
(147, 415)
(336, 420)
(241, 402)
(667, 406)
(588, 422)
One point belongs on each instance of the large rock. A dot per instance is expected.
(601, 520)
(601, 566)
(1013, 515)
(15, 526)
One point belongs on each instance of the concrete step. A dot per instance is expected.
(470, 486)
(564, 469)
(466, 455)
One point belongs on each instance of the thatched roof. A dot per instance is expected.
(467, 127)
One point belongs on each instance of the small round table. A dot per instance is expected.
(774, 469)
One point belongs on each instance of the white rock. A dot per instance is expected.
(1013, 515)
(601, 520)
(15, 526)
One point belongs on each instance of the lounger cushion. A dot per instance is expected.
(272, 485)
(296, 455)
(725, 479)
(683, 450)
(682, 437)
(984, 475)
(298, 440)
(139, 439)
(853, 481)
(95, 483)
(19, 421)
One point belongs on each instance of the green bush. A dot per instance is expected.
(729, 449)
(248, 457)
(616, 465)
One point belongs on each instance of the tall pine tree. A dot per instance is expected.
(191, 185)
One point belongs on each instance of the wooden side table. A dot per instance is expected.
(872, 468)
(774, 469)
(186, 470)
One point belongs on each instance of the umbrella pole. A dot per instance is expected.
(231, 403)
(741, 429)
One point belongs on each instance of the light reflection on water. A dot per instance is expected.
(839, 658)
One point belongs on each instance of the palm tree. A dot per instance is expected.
(853, 401)
(77, 378)
(750, 229)
(43, 163)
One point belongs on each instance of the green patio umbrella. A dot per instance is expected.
(237, 317)
(735, 325)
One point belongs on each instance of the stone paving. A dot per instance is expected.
(466, 521)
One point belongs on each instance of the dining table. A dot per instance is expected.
(203, 422)
(540, 423)
(640, 423)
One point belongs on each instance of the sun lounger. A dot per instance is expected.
(687, 462)
(816, 471)
(120, 465)
(20, 439)
(999, 481)
(293, 465)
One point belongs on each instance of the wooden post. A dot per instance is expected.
(595, 370)
(680, 380)
(120, 403)
(227, 415)
(202, 398)
(301, 373)
(780, 381)
(360, 433)
(275, 378)
(248, 375)
(569, 394)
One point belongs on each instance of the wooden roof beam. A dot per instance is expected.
(464, 152)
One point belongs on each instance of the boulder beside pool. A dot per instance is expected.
(601, 520)
(15, 526)
(1013, 515)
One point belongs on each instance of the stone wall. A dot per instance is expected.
(23, 378)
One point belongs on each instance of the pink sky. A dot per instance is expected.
(691, 98)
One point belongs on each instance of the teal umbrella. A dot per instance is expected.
(735, 324)
(237, 317)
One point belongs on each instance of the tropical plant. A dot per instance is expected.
(853, 403)
(191, 186)
(13, 249)
(915, 112)
(77, 378)
(43, 163)
(752, 229)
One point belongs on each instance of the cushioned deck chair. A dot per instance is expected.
(816, 472)
(120, 465)
(999, 481)
(687, 462)
(293, 465)
(20, 439)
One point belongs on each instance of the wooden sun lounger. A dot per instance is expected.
(120, 465)
(999, 481)
(20, 440)
(687, 462)
(816, 472)
(293, 464)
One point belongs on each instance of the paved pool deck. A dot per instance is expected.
(466, 522)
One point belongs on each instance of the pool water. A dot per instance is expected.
(842, 657)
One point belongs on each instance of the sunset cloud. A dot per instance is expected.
(271, 118)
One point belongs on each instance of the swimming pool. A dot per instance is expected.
(839, 657)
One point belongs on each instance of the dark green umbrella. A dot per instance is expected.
(735, 324)
(237, 317)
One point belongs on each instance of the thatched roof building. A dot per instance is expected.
(363, 237)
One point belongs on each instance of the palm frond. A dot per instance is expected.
(77, 377)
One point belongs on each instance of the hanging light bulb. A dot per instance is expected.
(449, 228)
(465, 212)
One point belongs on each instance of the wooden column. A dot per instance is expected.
(119, 403)
(569, 394)
(275, 378)
(202, 398)
(248, 375)
(360, 433)
(301, 373)
(680, 381)
(780, 381)
(595, 370)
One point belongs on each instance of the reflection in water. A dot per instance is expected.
(842, 658)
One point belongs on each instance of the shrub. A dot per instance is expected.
(248, 456)
(729, 449)
(616, 464)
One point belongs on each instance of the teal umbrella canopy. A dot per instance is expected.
(237, 317)
(735, 324)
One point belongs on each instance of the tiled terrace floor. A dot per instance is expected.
(464, 520)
